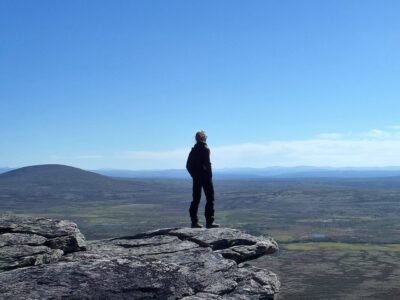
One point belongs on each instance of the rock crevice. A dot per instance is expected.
(51, 259)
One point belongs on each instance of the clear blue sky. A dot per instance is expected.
(125, 84)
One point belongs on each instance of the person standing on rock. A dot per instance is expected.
(199, 167)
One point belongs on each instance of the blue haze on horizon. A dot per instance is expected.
(126, 84)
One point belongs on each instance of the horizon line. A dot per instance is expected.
(218, 169)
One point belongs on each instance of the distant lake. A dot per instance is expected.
(318, 235)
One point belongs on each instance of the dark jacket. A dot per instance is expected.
(198, 163)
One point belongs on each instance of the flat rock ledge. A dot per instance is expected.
(50, 259)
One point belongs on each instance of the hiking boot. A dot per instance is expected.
(212, 225)
(196, 225)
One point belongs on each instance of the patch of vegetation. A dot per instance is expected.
(321, 246)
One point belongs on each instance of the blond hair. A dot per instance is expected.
(201, 136)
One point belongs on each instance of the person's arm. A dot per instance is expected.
(208, 161)
(189, 163)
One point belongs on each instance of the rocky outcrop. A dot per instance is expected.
(43, 259)
(27, 241)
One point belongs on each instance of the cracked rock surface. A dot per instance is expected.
(28, 241)
(49, 259)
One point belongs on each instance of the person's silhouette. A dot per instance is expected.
(199, 167)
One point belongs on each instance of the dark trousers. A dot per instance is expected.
(208, 187)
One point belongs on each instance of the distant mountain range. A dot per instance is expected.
(270, 172)
(238, 173)
(39, 187)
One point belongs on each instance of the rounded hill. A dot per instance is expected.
(37, 187)
(53, 174)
